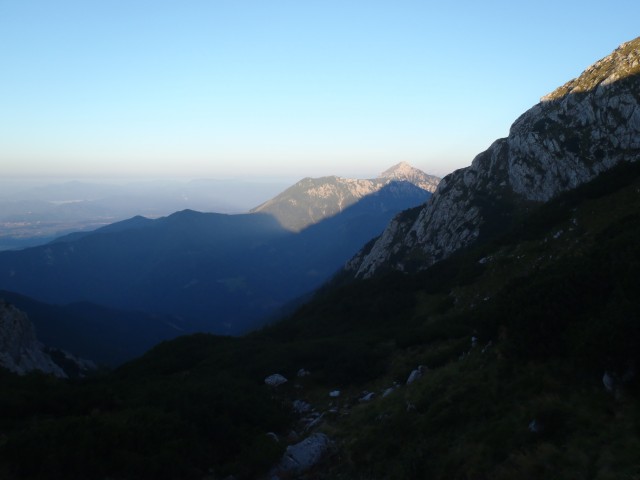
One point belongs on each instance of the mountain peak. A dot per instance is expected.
(398, 168)
(403, 171)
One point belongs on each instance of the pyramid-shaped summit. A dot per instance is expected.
(405, 172)
(402, 168)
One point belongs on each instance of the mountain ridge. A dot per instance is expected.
(220, 272)
(313, 199)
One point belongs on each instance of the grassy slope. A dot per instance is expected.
(553, 301)
(557, 299)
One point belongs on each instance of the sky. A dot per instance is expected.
(278, 88)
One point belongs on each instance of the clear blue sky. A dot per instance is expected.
(296, 88)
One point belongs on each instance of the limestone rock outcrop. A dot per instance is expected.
(20, 350)
(580, 130)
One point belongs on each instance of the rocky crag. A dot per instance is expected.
(20, 350)
(581, 129)
(313, 199)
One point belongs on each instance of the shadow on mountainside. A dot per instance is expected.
(195, 271)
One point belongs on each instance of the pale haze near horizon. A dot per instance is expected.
(281, 89)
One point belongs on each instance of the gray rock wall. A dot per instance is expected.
(578, 131)
(20, 350)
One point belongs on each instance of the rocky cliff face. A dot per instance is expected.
(20, 350)
(314, 199)
(578, 131)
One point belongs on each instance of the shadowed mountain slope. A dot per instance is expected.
(220, 273)
(107, 336)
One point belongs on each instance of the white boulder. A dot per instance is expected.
(303, 456)
(300, 406)
(367, 396)
(275, 380)
(415, 375)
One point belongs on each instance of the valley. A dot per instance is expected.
(210, 272)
